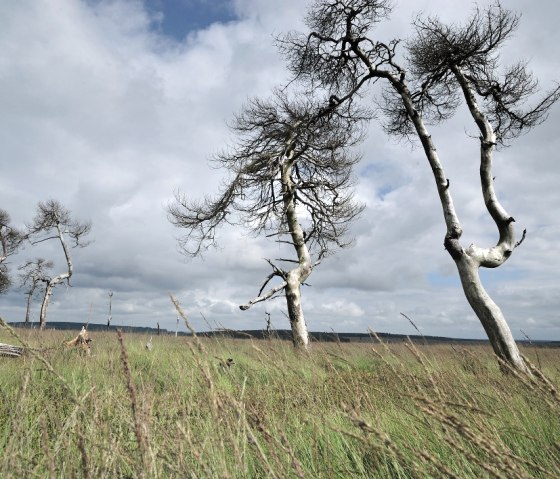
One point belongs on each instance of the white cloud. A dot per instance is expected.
(342, 308)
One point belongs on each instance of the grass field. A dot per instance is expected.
(343, 411)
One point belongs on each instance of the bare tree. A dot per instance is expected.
(34, 273)
(447, 65)
(53, 222)
(110, 317)
(10, 241)
(290, 179)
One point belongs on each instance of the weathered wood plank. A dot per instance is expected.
(9, 350)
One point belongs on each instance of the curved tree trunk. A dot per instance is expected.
(469, 261)
(489, 314)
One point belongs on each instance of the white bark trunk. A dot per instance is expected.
(45, 304)
(469, 261)
(300, 335)
(28, 309)
(298, 275)
(56, 280)
(487, 311)
(489, 314)
(294, 278)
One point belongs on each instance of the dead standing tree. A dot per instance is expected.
(291, 179)
(53, 221)
(34, 274)
(10, 241)
(448, 65)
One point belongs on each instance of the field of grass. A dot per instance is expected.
(343, 411)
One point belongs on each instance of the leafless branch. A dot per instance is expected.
(268, 295)
(318, 137)
(524, 234)
(438, 51)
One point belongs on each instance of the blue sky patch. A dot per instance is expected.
(180, 17)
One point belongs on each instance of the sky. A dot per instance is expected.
(111, 106)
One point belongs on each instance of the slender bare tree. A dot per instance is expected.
(10, 241)
(446, 65)
(110, 317)
(53, 221)
(34, 273)
(290, 179)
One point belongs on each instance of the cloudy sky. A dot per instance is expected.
(111, 106)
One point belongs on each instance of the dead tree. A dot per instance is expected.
(53, 222)
(10, 241)
(34, 274)
(110, 317)
(268, 330)
(290, 179)
(447, 65)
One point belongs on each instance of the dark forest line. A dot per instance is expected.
(284, 334)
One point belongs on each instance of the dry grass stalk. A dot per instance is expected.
(412, 348)
(383, 443)
(187, 323)
(260, 451)
(45, 443)
(83, 450)
(139, 426)
(502, 461)
(275, 443)
(415, 327)
(544, 381)
(193, 450)
(439, 469)
(11, 448)
(376, 336)
(42, 359)
(528, 380)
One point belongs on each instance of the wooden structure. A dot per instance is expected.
(10, 351)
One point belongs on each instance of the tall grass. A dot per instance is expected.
(345, 410)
